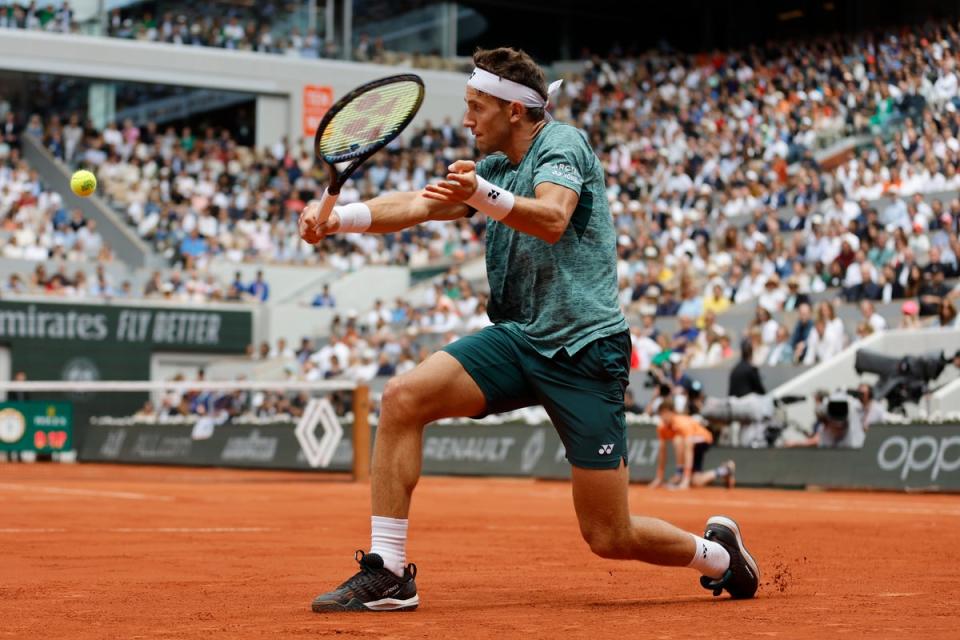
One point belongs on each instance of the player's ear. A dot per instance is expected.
(517, 112)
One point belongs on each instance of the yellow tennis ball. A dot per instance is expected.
(83, 183)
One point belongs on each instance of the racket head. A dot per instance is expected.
(366, 120)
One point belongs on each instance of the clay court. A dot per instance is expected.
(93, 551)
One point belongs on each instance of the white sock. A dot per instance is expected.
(388, 539)
(710, 559)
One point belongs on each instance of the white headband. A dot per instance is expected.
(509, 90)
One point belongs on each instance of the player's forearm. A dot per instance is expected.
(394, 212)
(403, 209)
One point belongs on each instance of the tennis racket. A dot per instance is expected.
(360, 124)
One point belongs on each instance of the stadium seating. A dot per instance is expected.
(734, 186)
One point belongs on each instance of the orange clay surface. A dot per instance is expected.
(91, 551)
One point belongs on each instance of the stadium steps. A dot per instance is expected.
(180, 107)
(126, 244)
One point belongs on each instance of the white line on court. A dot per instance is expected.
(92, 493)
(146, 530)
(832, 505)
(191, 530)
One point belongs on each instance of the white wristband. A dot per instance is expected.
(491, 200)
(354, 217)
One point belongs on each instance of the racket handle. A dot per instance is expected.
(327, 202)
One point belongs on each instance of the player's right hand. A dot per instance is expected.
(311, 230)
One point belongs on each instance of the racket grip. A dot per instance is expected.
(327, 202)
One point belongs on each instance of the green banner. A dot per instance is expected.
(44, 427)
(82, 342)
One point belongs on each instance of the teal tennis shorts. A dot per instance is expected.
(582, 394)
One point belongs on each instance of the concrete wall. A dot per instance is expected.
(285, 281)
(357, 291)
(281, 77)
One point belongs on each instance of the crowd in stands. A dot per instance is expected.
(390, 338)
(200, 195)
(713, 181)
(34, 223)
(85, 284)
(256, 27)
(37, 16)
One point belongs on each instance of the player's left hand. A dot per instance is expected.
(459, 184)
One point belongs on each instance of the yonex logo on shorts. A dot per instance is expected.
(606, 449)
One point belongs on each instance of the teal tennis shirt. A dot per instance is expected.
(560, 296)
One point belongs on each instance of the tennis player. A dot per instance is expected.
(559, 338)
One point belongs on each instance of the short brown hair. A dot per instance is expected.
(516, 65)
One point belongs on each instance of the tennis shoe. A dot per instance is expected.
(742, 578)
(373, 588)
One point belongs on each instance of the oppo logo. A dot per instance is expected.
(920, 453)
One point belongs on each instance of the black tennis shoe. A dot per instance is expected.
(373, 588)
(742, 578)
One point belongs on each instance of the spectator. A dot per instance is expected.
(717, 302)
(686, 335)
(782, 351)
(667, 305)
(19, 396)
(870, 315)
(946, 316)
(765, 325)
(194, 245)
(259, 289)
(933, 292)
(324, 298)
(773, 297)
(794, 298)
(909, 315)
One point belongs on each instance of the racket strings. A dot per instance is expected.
(368, 119)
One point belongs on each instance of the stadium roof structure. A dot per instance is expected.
(571, 26)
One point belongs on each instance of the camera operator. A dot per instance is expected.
(839, 422)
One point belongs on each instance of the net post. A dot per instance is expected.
(361, 433)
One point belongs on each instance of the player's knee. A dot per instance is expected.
(604, 541)
(399, 400)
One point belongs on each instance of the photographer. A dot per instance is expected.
(839, 423)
